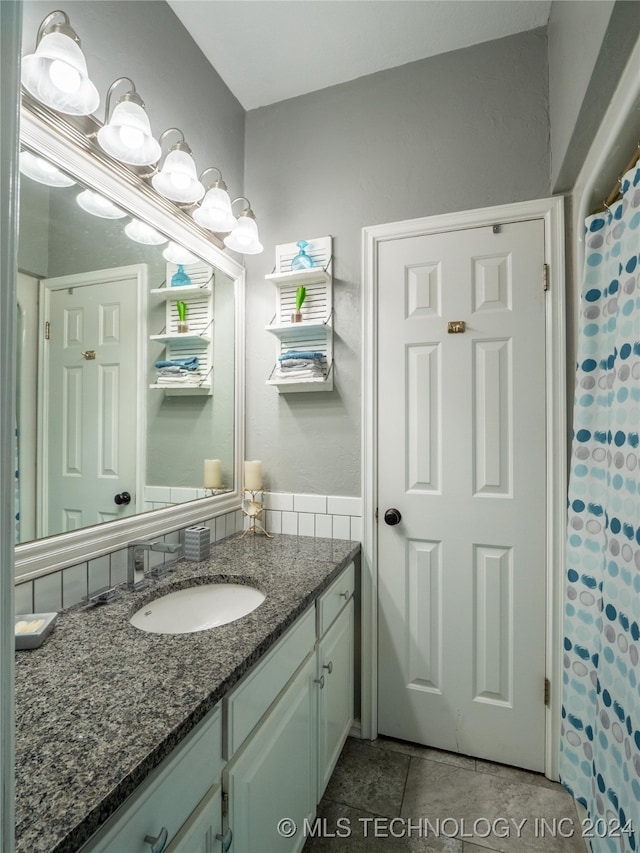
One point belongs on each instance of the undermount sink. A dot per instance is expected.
(197, 608)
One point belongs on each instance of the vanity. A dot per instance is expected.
(124, 735)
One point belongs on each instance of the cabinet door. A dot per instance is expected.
(335, 715)
(273, 777)
(203, 828)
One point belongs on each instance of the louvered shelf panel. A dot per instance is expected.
(198, 341)
(315, 332)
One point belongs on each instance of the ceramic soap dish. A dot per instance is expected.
(32, 629)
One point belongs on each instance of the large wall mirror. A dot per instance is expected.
(129, 368)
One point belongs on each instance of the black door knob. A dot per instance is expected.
(393, 516)
(122, 498)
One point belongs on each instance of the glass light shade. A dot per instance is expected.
(127, 136)
(215, 211)
(244, 237)
(143, 233)
(176, 254)
(178, 180)
(41, 170)
(56, 74)
(98, 205)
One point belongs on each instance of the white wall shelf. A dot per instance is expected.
(315, 332)
(198, 340)
(185, 337)
(178, 390)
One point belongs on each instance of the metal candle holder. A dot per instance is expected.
(253, 509)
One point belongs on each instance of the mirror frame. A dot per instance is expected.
(67, 144)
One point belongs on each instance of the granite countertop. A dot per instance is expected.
(101, 703)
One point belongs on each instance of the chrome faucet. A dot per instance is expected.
(136, 558)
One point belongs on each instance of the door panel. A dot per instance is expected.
(461, 453)
(89, 448)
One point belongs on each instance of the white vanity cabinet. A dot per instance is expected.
(202, 832)
(335, 695)
(163, 805)
(280, 732)
(273, 777)
(281, 753)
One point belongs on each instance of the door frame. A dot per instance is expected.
(89, 279)
(551, 211)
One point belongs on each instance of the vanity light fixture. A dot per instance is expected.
(177, 179)
(143, 233)
(41, 170)
(215, 211)
(56, 74)
(176, 254)
(98, 205)
(244, 237)
(127, 136)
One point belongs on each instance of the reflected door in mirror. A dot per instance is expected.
(91, 371)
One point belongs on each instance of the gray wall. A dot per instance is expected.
(147, 42)
(589, 44)
(454, 132)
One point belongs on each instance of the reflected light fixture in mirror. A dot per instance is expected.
(176, 254)
(127, 136)
(56, 73)
(143, 233)
(41, 170)
(98, 205)
(215, 211)
(177, 179)
(244, 237)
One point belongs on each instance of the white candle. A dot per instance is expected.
(253, 476)
(212, 473)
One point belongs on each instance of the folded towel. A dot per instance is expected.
(299, 373)
(292, 353)
(184, 379)
(288, 363)
(190, 363)
(172, 371)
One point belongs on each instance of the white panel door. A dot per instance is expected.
(462, 457)
(92, 384)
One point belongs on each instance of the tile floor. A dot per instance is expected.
(442, 802)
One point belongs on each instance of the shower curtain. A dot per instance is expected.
(600, 740)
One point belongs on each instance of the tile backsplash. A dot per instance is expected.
(323, 516)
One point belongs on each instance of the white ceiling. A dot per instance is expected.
(270, 50)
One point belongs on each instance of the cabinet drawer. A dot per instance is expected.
(247, 704)
(168, 796)
(333, 599)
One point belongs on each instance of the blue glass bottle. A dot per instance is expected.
(302, 261)
(180, 278)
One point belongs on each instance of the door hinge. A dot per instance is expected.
(225, 804)
(545, 276)
(47, 330)
(547, 692)
(376, 515)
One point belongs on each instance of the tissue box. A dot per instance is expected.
(196, 543)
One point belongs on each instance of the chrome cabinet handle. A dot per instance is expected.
(346, 594)
(328, 666)
(225, 840)
(159, 842)
(319, 681)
